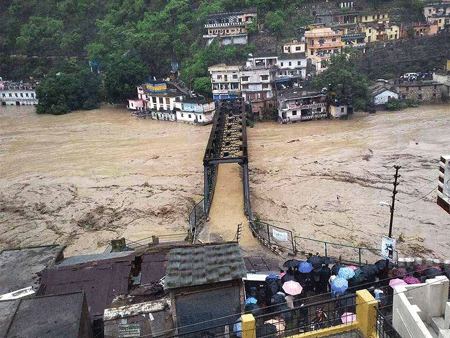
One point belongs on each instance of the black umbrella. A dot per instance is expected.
(432, 272)
(254, 309)
(369, 272)
(316, 261)
(335, 269)
(383, 264)
(446, 272)
(292, 263)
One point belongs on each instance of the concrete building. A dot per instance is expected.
(291, 67)
(378, 32)
(422, 310)
(382, 95)
(225, 81)
(421, 91)
(437, 13)
(195, 110)
(321, 44)
(294, 47)
(338, 110)
(373, 18)
(298, 104)
(230, 28)
(17, 94)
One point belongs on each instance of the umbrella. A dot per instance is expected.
(432, 272)
(282, 274)
(335, 269)
(352, 267)
(251, 300)
(291, 263)
(316, 261)
(411, 280)
(237, 329)
(292, 288)
(339, 284)
(305, 267)
(272, 275)
(254, 309)
(346, 273)
(358, 277)
(348, 317)
(421, 268)
(369, 271)
(331, 279)
(396, 281)
(382, 264)
(398, 272)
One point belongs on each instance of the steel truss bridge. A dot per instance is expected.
(227, 144)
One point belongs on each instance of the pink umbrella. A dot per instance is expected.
(348, 317)
(411, 280)
(395, 282)
(352, 267)
(292, 288)
(282, 274)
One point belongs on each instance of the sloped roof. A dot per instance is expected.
(52, 316)
(19, 267)
(204, 264)
(380, 90)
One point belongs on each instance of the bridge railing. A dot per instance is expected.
(273, 236)
(196, 217)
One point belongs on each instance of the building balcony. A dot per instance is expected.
(303, 106)
(228, 24)
(223, 35)
(309, 34)
(326, 45)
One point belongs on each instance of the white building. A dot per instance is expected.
(17, 94)
(383, 95)
(291, 66)
(297, 104)
(294, 47)
(225, 81)
(196, 111)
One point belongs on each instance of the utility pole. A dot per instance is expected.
(394, 192)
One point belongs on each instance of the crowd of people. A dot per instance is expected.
(283, 301)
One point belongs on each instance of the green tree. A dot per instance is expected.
(275, 22)
(202, 85)
(60, 92)
(122, 75)
(343, 80)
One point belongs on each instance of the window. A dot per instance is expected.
(435, 87)
(420, 88)
(342, 109)
(265, 86)
(245, 86)
(16, 95)
(312, 52)
(419, 97)
(235, 76)
(281, 64)
(294, 112)
(370, 30)
(298, 48)
(3, 94)
(219, 77)
(319, 109)
(189, 116)
(21, 94)
(167, 100)
(290, 63)
(161, 101)
(32, 94)
(154, 99)
(244, 78)
(182, 115)
(264, 77)
(366, 17)
(10, 95)
(26, 94)
(299, 63)
(333, 39)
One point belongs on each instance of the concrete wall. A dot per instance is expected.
(415, 305)
(424, 93)
(384, 97)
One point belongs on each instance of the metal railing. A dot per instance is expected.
(344, 252)
(284, 321)
(196, 217)
(385, 328)
(273, 236)
(146, 242)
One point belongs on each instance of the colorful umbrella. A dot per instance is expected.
(348, 317)
(292, 288)
(352, 267)
(398, 273)
(411, 280)
(237, 329)
(346, 273)
(251, 300)
(339, 284)
(358, 277)
(305, 267)
(396, 282)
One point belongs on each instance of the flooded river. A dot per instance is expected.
(85, 178)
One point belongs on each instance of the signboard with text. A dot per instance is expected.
(388, 248)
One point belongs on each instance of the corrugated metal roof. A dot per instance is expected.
(94, 257)
(19, 267)
(153, 268)
(199, 265)
(261, 264)
(101, 280)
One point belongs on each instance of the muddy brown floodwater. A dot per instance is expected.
(85, 178)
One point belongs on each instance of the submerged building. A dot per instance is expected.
(18, 94)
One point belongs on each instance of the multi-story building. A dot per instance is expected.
(165, 101)
(298, 104)
(377, 32)
(437, 9)
(294, 47)
(321, 43)
(291, 67)
(230, 28)
(421, 91)
(17, 94)
(373, 18)
(225, 81)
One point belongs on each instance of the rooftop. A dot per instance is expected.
(19, 267)
(292, 56)
(252, 10)
(50, 316)
(204, 264)
(297, 93)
